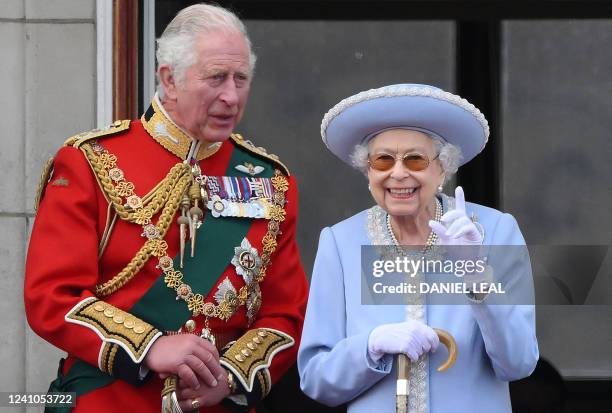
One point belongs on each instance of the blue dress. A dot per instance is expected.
(496, 343)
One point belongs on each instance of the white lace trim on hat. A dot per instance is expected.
(403, 90)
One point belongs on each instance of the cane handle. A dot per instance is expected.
(451, 345)
(403, 369)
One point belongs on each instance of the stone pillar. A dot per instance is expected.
(47, 79)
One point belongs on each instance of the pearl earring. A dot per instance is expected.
(440, 188)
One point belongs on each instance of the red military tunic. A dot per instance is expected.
(95, 290)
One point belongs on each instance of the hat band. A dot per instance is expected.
(414, 128)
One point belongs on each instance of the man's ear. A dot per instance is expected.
(168, 82)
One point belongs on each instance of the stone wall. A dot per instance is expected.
(47, 79)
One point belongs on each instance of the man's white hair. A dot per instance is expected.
(176, 47)
(449, 155)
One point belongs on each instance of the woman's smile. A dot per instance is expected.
(402, 193)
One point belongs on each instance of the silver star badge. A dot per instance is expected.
(246, 260)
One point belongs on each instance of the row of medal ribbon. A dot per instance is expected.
(239, 196)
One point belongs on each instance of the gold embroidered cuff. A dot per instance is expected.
(251, 355)
(113, 325)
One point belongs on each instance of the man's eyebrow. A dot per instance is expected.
(214, 70)
(217, 70)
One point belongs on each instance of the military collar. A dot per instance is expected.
(168, 134)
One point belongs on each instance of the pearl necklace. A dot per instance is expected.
(431, 239)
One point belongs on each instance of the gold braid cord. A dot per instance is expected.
(166, 195)
(45, 176)
(114, 186)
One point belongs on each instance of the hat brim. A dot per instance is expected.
(439, 113)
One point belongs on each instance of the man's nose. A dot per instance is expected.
(229, 94)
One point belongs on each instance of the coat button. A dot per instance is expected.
(190, 326)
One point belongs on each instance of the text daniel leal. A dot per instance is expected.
(439, 288)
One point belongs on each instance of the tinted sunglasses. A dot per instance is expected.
(412, 161)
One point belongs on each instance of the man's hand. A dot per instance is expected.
(205, 395)
(194, 360)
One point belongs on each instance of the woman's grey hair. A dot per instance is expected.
(176, 47)
(449, 155)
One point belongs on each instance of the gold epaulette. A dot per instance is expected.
(78, 139)
(75, 141)
(259, 151)
(45, 176)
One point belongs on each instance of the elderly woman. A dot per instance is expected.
(409, 139)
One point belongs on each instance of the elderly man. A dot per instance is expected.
(163, 258)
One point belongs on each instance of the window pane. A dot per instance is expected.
(557, 172)
(306, 67)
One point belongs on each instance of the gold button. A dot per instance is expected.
(262, 333)
(117, 123)
(139, 329)
(129, 323)
(246, 352)
(257, 340)
(190, 325)
(109, 312)
(239, 357)
(119, 319)
(252, 346)
(99, 307)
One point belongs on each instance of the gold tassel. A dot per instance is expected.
(196, 215)
(195, 212)
(183, 222)
(169, 401)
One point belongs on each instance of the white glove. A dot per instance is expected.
(412, 338)
(456, 228)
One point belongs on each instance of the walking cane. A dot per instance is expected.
(403, 369)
